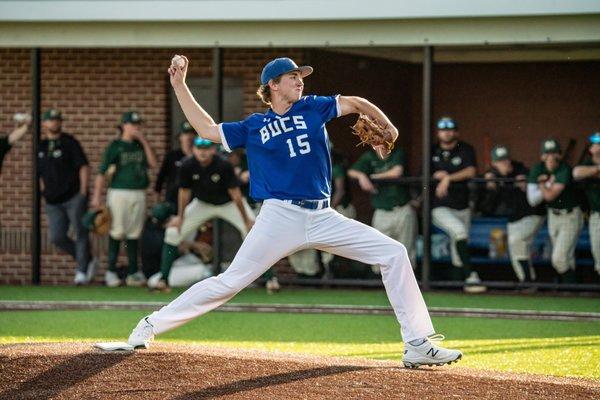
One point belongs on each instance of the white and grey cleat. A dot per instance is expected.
(429, 353)
(142, 335)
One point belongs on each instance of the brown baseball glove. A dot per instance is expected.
(102, 221)
(373, 133)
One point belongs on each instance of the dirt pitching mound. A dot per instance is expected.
(77, 371)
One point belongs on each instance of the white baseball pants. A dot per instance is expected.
(198, 212)
(306, 262)
(564, 232)
(520, 237)
(128, 210)
(400, 224)
(456, 224)
(283, 228)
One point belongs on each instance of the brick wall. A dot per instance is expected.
(92, 87)
(516, 103)
(15, 181)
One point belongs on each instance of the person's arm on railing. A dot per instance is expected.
(582, 172)
(464, 174)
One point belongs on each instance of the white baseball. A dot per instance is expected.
(21, 118)
(178, 61)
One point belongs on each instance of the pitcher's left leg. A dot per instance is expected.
(339, 235)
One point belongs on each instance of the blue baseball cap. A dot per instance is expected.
(446, 124)
(280, 66)
(202, 143)
(595, 138)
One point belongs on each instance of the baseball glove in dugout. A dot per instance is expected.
(98, 221)
(373, 133)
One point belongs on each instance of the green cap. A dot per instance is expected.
(500, 153)
(51, 114)
(186, 127)
(131, 117)
(550, 146)
(162, 211)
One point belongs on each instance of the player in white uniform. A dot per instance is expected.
(290, 170)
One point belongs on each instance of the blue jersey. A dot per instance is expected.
(288, 155)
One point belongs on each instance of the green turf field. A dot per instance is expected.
(545, 347)
(309, 296)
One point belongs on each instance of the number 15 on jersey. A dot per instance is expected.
(302, 144)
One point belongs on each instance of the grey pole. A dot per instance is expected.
(217, 84)
(426, 182)
(35, 203)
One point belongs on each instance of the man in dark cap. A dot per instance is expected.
(509, 199)
(453, 163)
(208, 188)
(63, 171)
(551, 182)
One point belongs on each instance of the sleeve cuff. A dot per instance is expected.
(338, 109)
(223, 140)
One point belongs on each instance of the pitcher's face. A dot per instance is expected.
(291, 86)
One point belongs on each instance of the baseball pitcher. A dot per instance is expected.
(290, 170)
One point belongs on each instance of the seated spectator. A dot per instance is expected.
(394, 216)
(509, 199)
(589, 173)
(169, 170)
(551, 182)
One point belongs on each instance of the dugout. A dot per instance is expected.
(512, 73)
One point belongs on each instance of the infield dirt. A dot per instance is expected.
(176, 371)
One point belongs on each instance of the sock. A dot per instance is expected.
(113, 253)
(525, 265)
(457, 274)
(169, 255)
(417, 342)
(463, 253)
(268, 274)
(568, 277)
(132, 255)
